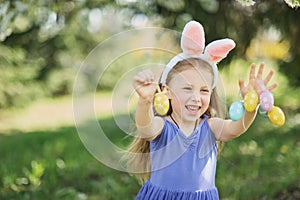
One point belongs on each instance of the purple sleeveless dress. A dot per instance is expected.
(182, 167)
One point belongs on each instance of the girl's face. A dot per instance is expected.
(190, 92)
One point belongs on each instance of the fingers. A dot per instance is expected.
(256, 81)
(260, 71)
(145, 77)
(241, 84)
(272, 87)
(252, 72)
(268, 77)
(243, 88)
(265, 82)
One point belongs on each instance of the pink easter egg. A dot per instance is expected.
(266, 100)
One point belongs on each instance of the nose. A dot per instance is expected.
(196, 97)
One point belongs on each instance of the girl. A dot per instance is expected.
(176, 154)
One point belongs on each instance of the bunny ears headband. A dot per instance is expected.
(193, 46)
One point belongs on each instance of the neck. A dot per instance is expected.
(186, 127)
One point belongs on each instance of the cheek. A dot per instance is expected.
(206, 100)
(184, 97)
(178, 100)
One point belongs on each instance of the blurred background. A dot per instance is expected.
(42, 46)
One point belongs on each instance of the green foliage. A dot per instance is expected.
(19, 82)
(45, 42)
(29, 182)
(43, 45)
(241, 23)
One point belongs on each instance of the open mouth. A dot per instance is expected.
(193, 108)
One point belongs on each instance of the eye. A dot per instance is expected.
(204, 90)
(187, 88)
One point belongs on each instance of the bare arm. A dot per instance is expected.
(226, 130)
(148, 125)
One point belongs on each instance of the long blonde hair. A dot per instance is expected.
(138, 160)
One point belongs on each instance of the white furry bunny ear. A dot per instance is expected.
(218, 50)
(193, 44)
(192, 39)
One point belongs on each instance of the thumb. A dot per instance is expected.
(243, 88)
(241, 83)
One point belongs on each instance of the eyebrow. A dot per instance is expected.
(191, 85)
(187, 84)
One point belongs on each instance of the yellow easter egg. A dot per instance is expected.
(161, 103)
(276, 116)
(251, 101)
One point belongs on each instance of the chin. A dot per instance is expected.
(193, 117)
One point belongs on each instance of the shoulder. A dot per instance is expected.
(153, 130)
(167, 132)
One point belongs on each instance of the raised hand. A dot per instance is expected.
(144, 84)
(256, 82)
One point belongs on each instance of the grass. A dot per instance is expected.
(56, 165)
(260, 164)
(48, 114)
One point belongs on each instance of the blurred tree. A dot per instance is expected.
(44, 42)
(242, 23)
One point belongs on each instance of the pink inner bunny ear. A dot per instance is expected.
(192, 39)
(217, 50)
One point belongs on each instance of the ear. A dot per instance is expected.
(218, 50)
(192, 38)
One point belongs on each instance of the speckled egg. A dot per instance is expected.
(161, 103)
(266, 100)
(276, 116)
(236, 110)
(251, 101)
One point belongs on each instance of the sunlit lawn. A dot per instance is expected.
(54, 164)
